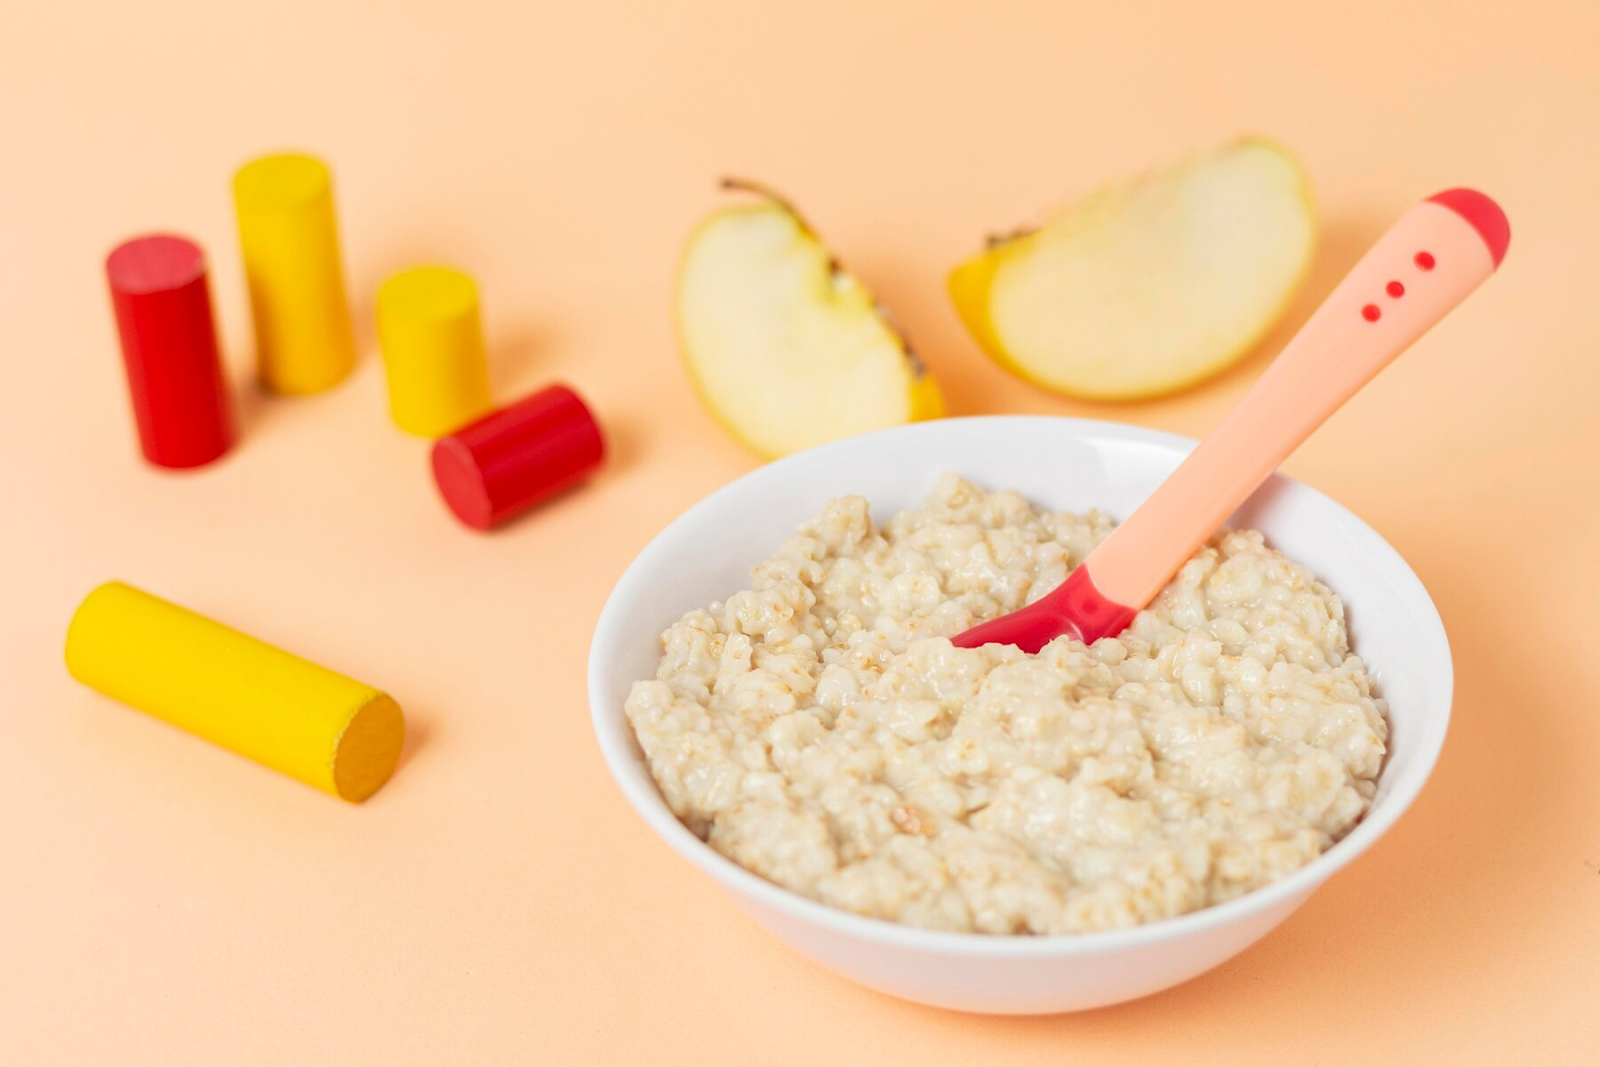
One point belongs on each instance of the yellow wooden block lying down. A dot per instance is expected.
(280, 710)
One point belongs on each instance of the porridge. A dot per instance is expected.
(819, 729)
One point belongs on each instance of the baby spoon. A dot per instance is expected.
(1425, 264)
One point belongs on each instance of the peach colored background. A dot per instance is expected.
(163, 901)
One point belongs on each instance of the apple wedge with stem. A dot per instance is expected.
(785, 348)
(1151, 285)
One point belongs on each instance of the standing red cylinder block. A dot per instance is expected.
(169, 347)
(511, 459)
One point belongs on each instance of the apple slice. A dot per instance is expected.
(1151, 285)
(785, 348)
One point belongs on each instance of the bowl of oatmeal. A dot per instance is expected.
(774, 690)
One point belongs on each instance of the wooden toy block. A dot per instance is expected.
(327, 730)
(512, 459)
(169, 350)
(431, 333)
(290, 241)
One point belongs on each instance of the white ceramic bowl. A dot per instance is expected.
(1062, 464)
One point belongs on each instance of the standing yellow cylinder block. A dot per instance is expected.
(304, 342)
(280, 710)
(431, 334)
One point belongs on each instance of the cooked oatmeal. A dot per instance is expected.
(819, 728)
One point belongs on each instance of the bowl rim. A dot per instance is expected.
(647, 801)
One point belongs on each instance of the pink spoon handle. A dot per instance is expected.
(1422, 267)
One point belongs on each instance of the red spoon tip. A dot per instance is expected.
(1074, 608)
(1484, 215)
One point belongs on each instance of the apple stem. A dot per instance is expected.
(746, 185)
(995, 240)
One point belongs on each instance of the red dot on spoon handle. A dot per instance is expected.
(1425, 260)
(1395, 289)
(1371, 313)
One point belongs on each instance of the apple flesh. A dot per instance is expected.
(785, 348)
(1149, 286)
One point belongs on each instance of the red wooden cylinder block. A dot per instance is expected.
(169, 347)
(511, 459)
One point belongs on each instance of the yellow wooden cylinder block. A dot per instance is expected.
(431, 333)
(280, 710)
(290, 241)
